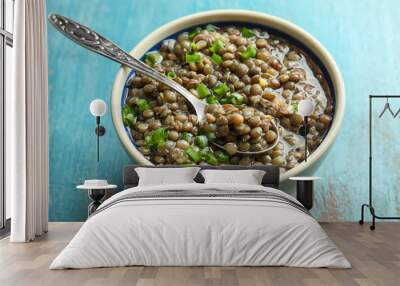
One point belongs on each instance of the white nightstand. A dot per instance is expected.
(305, 190)
(96, 194)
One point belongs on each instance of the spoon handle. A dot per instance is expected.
(94, 42)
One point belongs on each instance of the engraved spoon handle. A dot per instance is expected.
(94, 42)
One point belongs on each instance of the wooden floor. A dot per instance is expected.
(375, 257)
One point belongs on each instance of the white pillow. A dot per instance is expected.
(166, 176)
(248, 177)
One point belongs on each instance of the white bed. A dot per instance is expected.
(185, 230)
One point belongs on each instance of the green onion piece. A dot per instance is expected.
(221, 157)
(188, 137)
(171, 75)
(211, 28)
(236, 98)
(221, 89)
(157, 138)
(212, 99)
(201, 141)
(194, 33)
(142, 104)
(193, 46)
(250, 52)
(216, 59)
(202, 90)
(225, 100)
(211, 136)
(193, 154)
(247, 33)
(216, 46)
(153, 58)
(128, 116)
(295, 107)
(204, 151)
(210, 158)
(193, 58)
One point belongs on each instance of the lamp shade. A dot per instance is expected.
(306, 107)
(98, 107)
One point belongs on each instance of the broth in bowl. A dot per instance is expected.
(252, 81)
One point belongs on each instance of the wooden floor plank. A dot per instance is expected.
(375, 257)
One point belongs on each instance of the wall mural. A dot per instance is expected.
(252, 80)
(143, 115)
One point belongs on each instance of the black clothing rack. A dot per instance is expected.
(370, 203)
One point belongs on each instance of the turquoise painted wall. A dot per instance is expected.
(363, 37)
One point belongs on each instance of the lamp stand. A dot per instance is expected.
(305, 137)
(100, 131)
(303, 132)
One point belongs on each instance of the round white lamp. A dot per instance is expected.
(98, 108)
(305, 108)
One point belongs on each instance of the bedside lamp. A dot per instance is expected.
(305, 108)
(98, 109)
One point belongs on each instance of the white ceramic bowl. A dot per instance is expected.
(232, 16)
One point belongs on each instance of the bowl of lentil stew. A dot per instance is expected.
(252, 69)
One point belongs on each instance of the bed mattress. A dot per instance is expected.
(201, 225)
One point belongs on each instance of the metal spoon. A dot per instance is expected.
(94, 42)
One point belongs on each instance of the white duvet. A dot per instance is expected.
(200, 231)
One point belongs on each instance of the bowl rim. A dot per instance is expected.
(243, 16)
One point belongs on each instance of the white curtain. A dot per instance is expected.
(26, 122)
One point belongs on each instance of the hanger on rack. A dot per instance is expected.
(397, 113)
(387, 107)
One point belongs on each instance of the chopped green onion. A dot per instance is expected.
(128, 116)
(157, 138)
(236, 98)
(211, 28)
(247, 33)
(194, 33)
(153, 58)
(216, 46)
(250, 52)
(295, 107)
(216, 59)
(221, 157)
(233, 98)
(171, 75)
(221, 89)
(201, 141)
(142, 104)
(202, 90)
(224, 100)
(188, 137)
(211, 136)
(210, 158)
(147, 140)
(204, 151)
(193, 46)
(193, 154)
(193, 58)
(212, 99)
